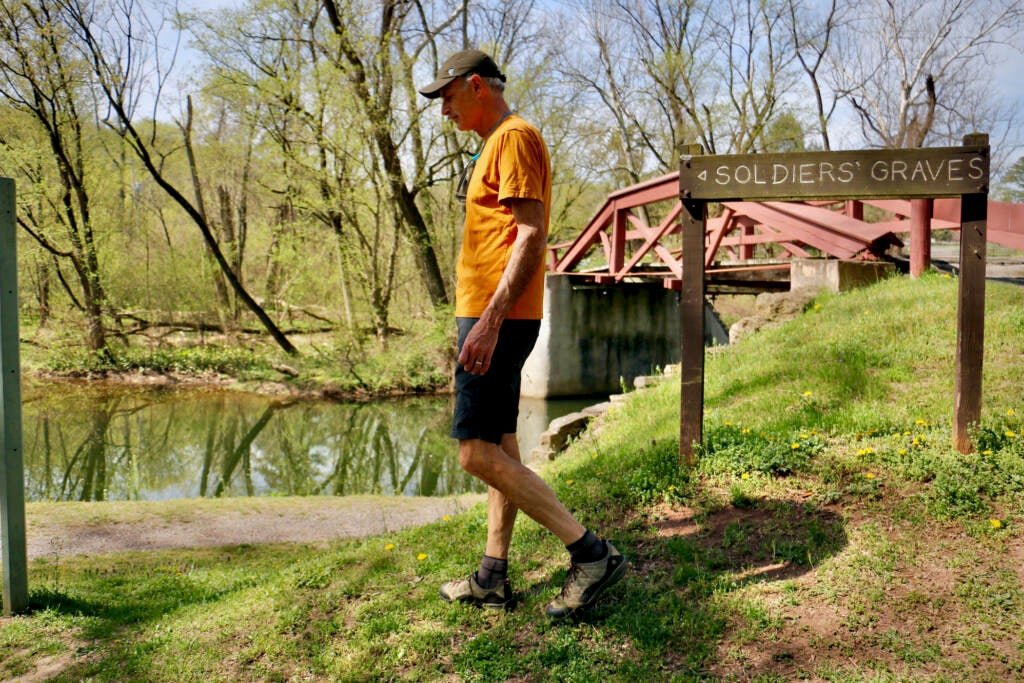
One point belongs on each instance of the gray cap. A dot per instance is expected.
(462, 64)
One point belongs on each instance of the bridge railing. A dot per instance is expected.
(621, 241)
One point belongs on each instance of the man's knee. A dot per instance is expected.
(477, 457)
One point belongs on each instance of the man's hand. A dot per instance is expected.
(478, 347)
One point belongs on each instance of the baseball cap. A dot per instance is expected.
(462, 64)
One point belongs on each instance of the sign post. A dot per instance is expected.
(853, 175)
(691, 302)
(12, 466)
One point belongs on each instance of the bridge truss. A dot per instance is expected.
(748, 246)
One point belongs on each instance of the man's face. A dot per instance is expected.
(459, 103)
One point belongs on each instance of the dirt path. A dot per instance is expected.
(61, 529)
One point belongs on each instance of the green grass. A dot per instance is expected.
(830, 532)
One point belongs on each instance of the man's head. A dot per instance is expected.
(471, 89)
(462, 63)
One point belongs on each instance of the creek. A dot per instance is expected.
(88, 443)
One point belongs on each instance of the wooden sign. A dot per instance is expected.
(862, 174)
(872, 174)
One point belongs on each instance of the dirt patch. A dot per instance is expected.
(56, 530)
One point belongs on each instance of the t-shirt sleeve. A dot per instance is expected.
(520, 164)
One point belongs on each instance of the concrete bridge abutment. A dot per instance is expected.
(596, 339)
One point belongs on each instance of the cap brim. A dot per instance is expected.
(433, 91)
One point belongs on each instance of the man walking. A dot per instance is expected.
(498, 306)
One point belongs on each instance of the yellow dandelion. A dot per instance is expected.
(804, 436)
(745, 475)
(746, 430)
(817, 306)
(902, 451)
(447, 518)
(920, 423)
(987, 451)
(389, 546)
(671, 487)
(995, 523)
(794, 446)
(1010, 412)
(808, 393)
(1009, 433)
(421, 557)
(598, 473)
(869, 475)
(569, 481)
(728, 424)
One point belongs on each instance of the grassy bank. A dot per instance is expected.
(830, 532)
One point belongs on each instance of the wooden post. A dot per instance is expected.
(693, 220)
(920, 236)
(12, 466)
(970, 328)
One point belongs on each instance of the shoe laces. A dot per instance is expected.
(574, 570)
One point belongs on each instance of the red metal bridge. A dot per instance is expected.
(748, 246)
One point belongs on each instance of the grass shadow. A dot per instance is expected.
(675, 605)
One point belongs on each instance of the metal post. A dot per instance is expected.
(12, 466)
(970, 328)
(693, 221)
(854, 209)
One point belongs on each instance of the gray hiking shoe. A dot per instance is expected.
(586, 581)
(468, 590)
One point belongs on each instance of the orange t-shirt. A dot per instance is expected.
(513, 164)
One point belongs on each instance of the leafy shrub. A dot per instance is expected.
(195, 359)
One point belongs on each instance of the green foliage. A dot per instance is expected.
(228, 360)
(733, 450)
(1011, 187)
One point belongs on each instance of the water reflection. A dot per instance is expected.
(84, 443)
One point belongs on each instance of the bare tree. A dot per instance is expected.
(669, 73)
(41, 76)
(114, 42)
(374, 79)
(913, 69)
(812, 32)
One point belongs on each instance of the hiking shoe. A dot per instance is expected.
(586, 581)
(468, 590)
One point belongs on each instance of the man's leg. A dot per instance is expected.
(501, 513)
(596, 564)
(519, 486)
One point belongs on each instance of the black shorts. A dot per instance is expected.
(487, 406)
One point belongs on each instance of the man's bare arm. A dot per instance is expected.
(527, 255)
